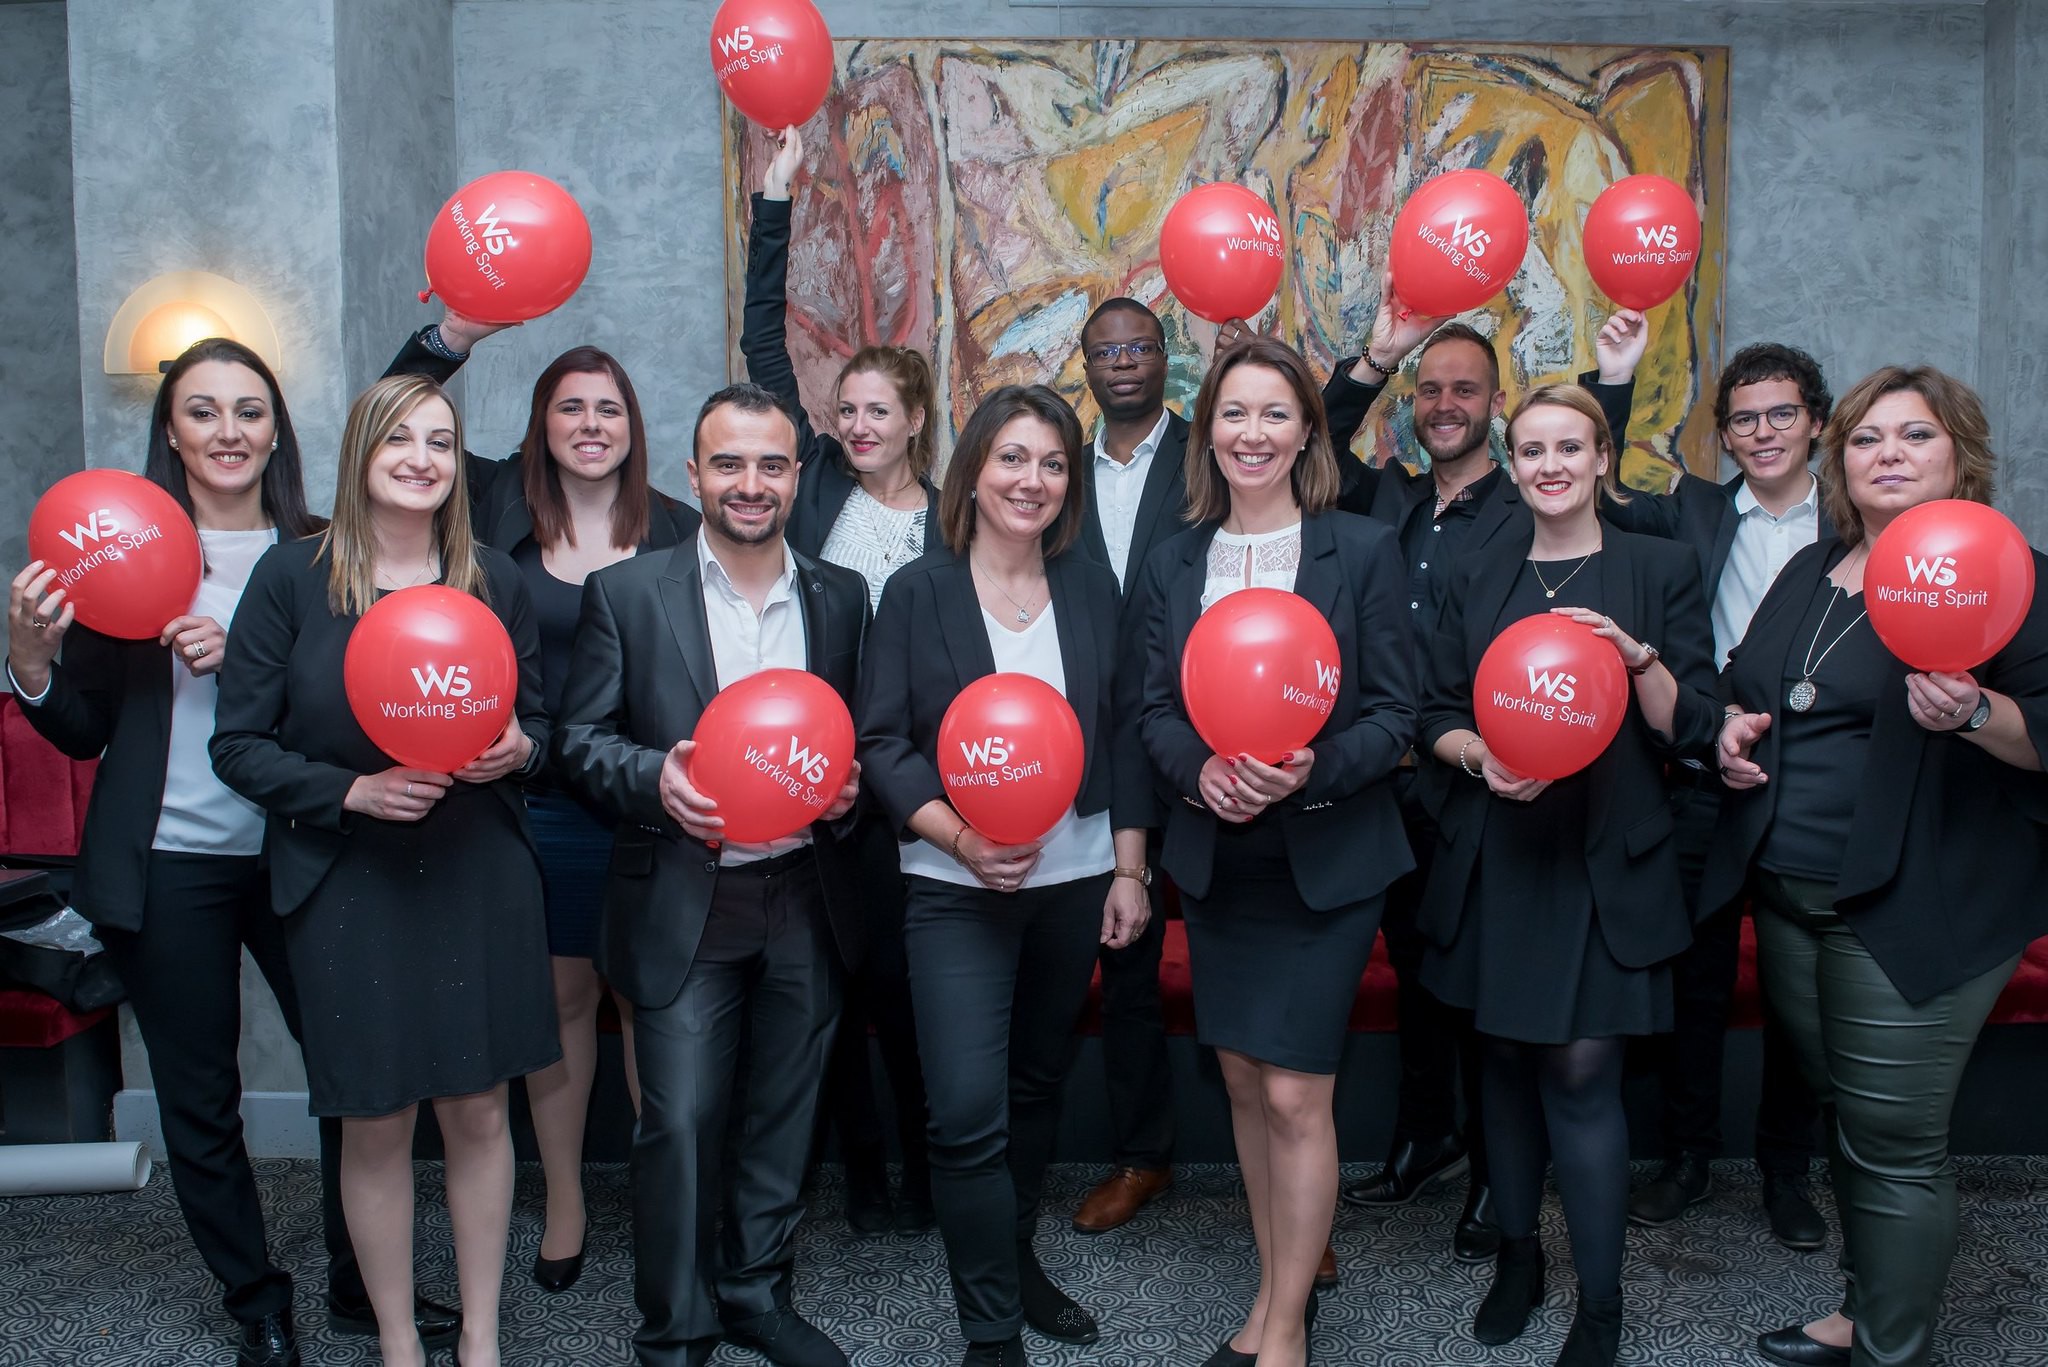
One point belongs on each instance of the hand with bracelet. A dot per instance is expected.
(1396, 331)
(1467, 750)
(999, 868)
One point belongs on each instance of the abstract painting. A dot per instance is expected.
(977, 199)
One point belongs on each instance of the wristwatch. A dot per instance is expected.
(1980, 716)
(1142, 873)
(1648, 660)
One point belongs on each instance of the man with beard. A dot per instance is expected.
(1463, 502)
(731, 953)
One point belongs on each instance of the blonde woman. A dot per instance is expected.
(412, 899)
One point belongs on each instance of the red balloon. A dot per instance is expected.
(1259, 674)
(1010, 756)
(508, 247)
(1549, 696)
(431, 677)
(1948, 584)
(773, 751)
(1221, 251)
(773, 59)
(1642, 240)
(1457, 242)
(126, 555)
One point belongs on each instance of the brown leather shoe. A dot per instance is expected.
(1118, 1197)
(1326, 1270)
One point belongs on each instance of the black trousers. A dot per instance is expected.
(1138, 1077)
(183, 972)
(998, 980)
(1703, 984)
(1439, 1048)
(751, 1028)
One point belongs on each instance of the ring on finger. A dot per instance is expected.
(408, 790)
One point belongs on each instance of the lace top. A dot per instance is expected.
(874, 539)
(1264, 560)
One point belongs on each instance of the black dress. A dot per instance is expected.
(1528, 958)
(420, 954)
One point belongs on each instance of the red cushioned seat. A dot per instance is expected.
(42, 793)
(30, 1020)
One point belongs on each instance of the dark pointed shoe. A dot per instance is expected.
(1795, 1220)
(1227, 1356)
(1516, 1292)
(1681, 1184)
(1049, 1310)
(1410, 1169)
(786, 1339)
(268, 1342)
(1795, 1348)
(439, 1325)
(1477, 1237)
(1595, 1338)
(558, 1274)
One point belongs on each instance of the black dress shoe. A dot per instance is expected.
(1049, 1310)
(1682, 1183)
(786, 1339)
(1411, 1168)
(1794, 1348)
(439, 1325)
(1227, 1356)
(1007, 1352)
(1793, 1217)
(268, 1342)
(1477, 1237)
(558, 1274)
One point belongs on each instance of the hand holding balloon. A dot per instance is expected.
(1396, 331)
(1620, 347)
(37, 618)
(1941, 702)
(1739, 735)
(200, 643)
(1634, 655)
(788, 161)
(690, 809)
(1000, 868)
(1505, 782)
(461, 333)
(1265, 784)
(848, 795)
(397, 794)
(507, 753)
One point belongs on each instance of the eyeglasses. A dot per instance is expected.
(1783, 416)
(1106, 353)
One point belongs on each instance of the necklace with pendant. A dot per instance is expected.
(1549, 592)
(1023, 609)
(1803, 694)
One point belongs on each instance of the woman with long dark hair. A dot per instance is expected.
(412, 899)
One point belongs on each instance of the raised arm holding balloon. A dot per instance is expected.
(1884, 751)
(1553, 914)
(411, 902)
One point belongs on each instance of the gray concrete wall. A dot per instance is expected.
(2013, 369)
(39, 304)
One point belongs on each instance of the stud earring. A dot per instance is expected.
(174, 443)
(273, 443)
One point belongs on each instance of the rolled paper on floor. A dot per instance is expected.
(72, 1169)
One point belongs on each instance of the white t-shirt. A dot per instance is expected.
(1079, 846)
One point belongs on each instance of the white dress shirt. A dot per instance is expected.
(1763, 544)
(745, 642)
(1118, 488)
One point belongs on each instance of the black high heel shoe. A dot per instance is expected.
(558, 1274)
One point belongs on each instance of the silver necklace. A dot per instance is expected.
(1549, 592)
(1023, 609)
(1803, 694)
(422, 577)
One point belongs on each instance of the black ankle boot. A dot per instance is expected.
(1049, 1310)
(1516, 1291)
(1596, 1333)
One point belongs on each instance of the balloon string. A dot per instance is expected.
(1403, 314)
(425, 295)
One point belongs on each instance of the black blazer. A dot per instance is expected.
(1343, 828)
(111, 700)
(930, 642)
(643, 674)
(1698, 512)
(284, 736)
(827, 479)
(1651, 589)
(1948, 850)
(1162, 504)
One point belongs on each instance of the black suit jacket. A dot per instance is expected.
(828, 478)
(111, 700)
(1947, 852)
(930, 642)
(1651, 589)
(1698, 512)
(1343, 828)
(643, 673)
(284, 736)
(1161, 504)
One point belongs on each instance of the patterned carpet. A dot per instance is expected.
(111, 1281)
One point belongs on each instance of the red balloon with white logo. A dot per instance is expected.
(126, 555)
(431, 676)
(507, 247)
(1457, 242)
(1010, 756)
(1948, 584)
(772, 58)
(1549, 696)
(1221, 251)
(773, 751)
(1642, 240)
(1259, 674)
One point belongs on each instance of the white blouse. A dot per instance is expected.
(874, 540)
(1266, 560)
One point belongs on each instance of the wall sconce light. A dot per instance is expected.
(168, 314)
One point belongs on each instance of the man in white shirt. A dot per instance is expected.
(732, 954)
(1769, 409)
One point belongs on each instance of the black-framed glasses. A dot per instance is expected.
(1781, 417)
(1106, 353)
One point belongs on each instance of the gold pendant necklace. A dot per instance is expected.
(1549, 592)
